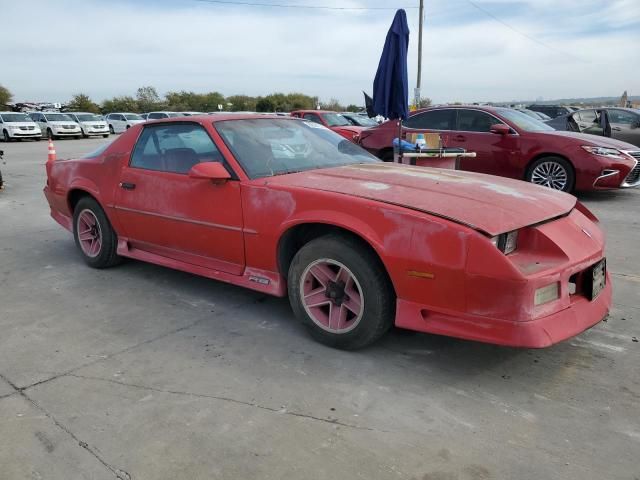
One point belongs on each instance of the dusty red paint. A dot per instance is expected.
(436, 223)
(350, 132)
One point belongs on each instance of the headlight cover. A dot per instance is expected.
(506, 242)
(603, 151)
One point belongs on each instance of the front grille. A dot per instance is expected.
(633, 178)
(27, 128)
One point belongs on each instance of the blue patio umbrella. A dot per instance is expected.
(391, 85)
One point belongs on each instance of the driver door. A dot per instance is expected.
(164, 211)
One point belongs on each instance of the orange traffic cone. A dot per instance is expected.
(52, 152)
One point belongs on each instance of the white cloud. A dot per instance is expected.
(111, 49)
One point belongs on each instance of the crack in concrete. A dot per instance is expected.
(331, 421)
(119, 473)
(144, 342)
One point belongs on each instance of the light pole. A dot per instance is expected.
(417, 90)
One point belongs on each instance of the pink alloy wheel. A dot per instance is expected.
(89, 233)
(331, 296)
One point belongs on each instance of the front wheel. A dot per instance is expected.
(105, 136)
(552, 172)
(339, 290)
(5, 136)
(111, 130)
(94, 234)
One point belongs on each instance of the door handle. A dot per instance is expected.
(459, 138)
(127, 185)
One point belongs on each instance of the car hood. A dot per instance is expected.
(349, 128)
(593, 140)
(492, 205)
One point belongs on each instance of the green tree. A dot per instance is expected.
(148, 99)
(265, 104)
(120, 104)
(352, 107)
(5, 95)
(424, 102)
(333, 104)
(242, 103)
(82, 103)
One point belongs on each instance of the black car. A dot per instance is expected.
(551, 110)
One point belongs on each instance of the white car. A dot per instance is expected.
(157, 115)
(90, 123)
(18, 125)
(55, 125)
(119, 122)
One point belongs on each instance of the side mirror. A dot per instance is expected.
(500, 129)
(213, 171)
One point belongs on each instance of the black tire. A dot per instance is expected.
(377, 295)
(127, 127)
(111, 130)
(105, 136)
(5, 136)
(50, 134)
(536, 171)
(84, 135)
(106, 255)
(37, 139)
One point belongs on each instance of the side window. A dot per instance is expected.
(312, 117)
(475, 121)
(620, 116)
(1, 121)
(153, 116)
(586, 116)
(174, 148)
(121, 118)
(433, 120)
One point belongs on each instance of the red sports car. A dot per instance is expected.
(333, 121)
(511, 144)
(286, 207)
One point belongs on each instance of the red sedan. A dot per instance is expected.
(286, 207)
(333, 121)
(511, 144)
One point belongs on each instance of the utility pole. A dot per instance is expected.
(417, 90)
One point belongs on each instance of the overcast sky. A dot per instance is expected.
(548, 48)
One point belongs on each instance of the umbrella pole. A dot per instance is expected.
(400, 159)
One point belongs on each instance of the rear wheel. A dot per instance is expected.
(94, 234)
(340, 292)
(552, 172)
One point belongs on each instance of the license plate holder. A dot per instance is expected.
(596, 279)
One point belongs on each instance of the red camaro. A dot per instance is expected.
(511, 144)
(332, 120)
(287, 207)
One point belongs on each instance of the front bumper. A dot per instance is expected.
(581, 315)
(24, 133)
(67, 133)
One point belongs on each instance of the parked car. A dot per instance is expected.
(453, 253)
(143, 116)
(90, 123)
(191, 114)
(56, 125)
(120, 122)
(622, 123)
(511, 144)
(159, 115)
(15, 125)
(332, 120)
(537, 115)
(359, 120)
(552, 111)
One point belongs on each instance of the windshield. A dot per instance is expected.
(523, 121)
(58, 117)
(15, 117)
(88, 117)
(266, 147)
(362, 121)
(335, 120)
(133, 116)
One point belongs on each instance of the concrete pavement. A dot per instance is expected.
(141, 372)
